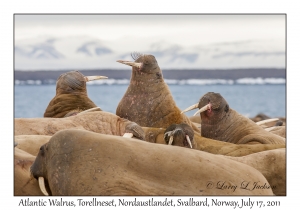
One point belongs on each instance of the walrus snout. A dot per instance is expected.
(179, 135)
(210, 101)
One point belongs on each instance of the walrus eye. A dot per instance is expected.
(42, 150)
(226, 108)
(158, 75)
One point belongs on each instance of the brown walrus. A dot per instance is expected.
(98, 121)
(31, 143)
(71, 95)
(220, 122)
(24, 183)
(272, 164)
(261, 116)
(148, 100)
(157, 135)
(180, 135)
(77, 162)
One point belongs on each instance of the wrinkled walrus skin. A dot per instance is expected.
(76, 162)
(98, 121)
(220, 122)
(148, 100)
(24, 184)
(272, 164)
(156, 135)
(71, 96)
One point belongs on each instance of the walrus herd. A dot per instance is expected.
(148, 147)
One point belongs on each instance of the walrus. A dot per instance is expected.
(278, 130)
(270, 123)
(24, 183)
(81, 163)
(180, 135)
(220, 122)
(157, 135)
(148, 100)
(31, 143)
(272, 164)
(97, 121)
(71, 95)
(261, 116)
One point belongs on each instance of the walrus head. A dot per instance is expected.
(180, 135)
(144, 67)
(71, 95)
(212, 106)
(39, 170)
(74, 81)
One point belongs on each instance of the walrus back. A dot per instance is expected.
(62, 104)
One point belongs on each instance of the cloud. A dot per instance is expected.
(241, 54)
(84, 52)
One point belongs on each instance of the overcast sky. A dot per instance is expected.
(241, 40)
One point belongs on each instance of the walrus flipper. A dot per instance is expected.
(136, 130)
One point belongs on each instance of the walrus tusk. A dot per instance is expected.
(128, 135)
(189, 141)
(170, 140)
(90, 110)
(42, 185)
(266, 121)
(195, 106)
(206, 107)
(271, 128)
(130, 63)
(91, 78)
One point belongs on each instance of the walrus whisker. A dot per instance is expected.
(42, 185)
(90, 110)
(128, 135)
(206, 107)
(91, 78)
(266, 121)
(195, 106)
(136, 55)
(167, 134)
(174, 131)
(189, 141)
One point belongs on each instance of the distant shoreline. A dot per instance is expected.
(230, 74)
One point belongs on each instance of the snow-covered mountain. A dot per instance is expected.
(82, 52)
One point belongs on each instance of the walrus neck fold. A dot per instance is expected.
(212, 129)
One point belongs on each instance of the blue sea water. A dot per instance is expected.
(30, 101)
